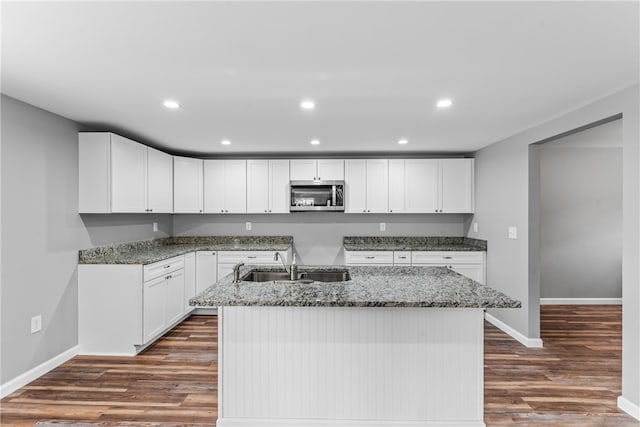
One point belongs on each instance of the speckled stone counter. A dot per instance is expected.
(419, 243)
(150, 251)
(368, 287)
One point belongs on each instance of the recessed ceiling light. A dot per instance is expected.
(171, 104)
(403, 141)
(225, 142)
(307, 104)
(315, 142)
(444, 103)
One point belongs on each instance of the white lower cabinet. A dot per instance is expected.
(189, 280)
(470, 264)
(206, 270)
(122, 308)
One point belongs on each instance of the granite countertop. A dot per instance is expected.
(368, 287)
(418, 243)
(150, 251)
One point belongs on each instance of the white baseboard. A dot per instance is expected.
(525, 341)
(24, 379)
(261, 422)
(579, 301)
(629, 407)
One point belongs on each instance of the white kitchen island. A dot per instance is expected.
(393, 346)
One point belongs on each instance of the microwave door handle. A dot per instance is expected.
(333, 195)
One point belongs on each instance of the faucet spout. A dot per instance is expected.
(236, 272)
(277, 256)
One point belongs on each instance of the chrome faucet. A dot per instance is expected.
(293, 268)
(236, 272)
(278, 256)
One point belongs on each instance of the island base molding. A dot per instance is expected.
(341, 423)
(350, 366)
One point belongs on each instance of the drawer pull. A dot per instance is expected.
(252, 257)
(167, 266)
(370, 257)
(402, 257)
(447, 257)
(168, 277)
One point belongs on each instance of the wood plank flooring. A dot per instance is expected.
(573, 381)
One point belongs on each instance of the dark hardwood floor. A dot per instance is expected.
(573, 381)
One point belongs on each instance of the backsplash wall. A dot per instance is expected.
(317, 236)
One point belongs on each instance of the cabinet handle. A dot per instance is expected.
(167, 266)
(402, 257)
(168, 277)
(370, 257)
(447, 257)
(252, 257)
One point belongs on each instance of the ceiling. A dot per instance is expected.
(374, 69)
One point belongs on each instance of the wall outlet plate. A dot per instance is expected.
(475, 227)
(383, 226)
(247, 226)
(36, 324)
(513, 232)
(155, 227)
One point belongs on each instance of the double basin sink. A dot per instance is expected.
(302, 277)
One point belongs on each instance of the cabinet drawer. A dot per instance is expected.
(257, 257)
(445, 257)
(402, 258)
(369, 257)
(161, 268)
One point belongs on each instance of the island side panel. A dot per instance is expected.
(349, 364)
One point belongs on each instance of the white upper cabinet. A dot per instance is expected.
(160, 181)
(187, 185)
(456, 185)
(367, 186)
(314, 170)
(420, 185)
(267, 186)
(128, 175)
(396, 186)
(225, 186)
(117, 174)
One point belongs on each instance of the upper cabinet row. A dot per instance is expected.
(120, 175)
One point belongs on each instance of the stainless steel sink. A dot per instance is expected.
(303, 276)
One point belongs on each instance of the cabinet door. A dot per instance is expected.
(356, 183)
(377, 186)
(303, 170)
(279, 186)
(175, 297)
(456, 185)
(396, 186)
(331, 170)
(235, 186)
(159, 181)
(154, 297)
(189, 280)
(421, 180)
(128, 175)
(187, 185)
(257, 186)
(94, 172)
(214, 186)
(206, 270)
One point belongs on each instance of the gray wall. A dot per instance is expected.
(581, 214)
(318, 236)
(506, 177)
(42, 232)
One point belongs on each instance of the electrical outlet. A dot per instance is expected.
(36, 324)
(247, 226)
(383, 226)
(155, 227)
(475, 227)
(513, 232)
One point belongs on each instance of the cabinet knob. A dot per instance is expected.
(390, 210)
(200, 211)
(150, 210)
(269, 210)
(364, 210)
(368, 210)
(265, 210)
(226, 210)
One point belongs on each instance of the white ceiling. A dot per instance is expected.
(375, 69)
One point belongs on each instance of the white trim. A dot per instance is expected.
(629, 407)
(579, 301)
(287, 422)
(204, 311)
(525, 341)
(32, 374)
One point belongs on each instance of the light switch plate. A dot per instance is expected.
(36, 324)
(155, 227)
(247, 226)
(383, 226)
(475, 227)
(513, 232)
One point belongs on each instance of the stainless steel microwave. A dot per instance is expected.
(317, 196)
